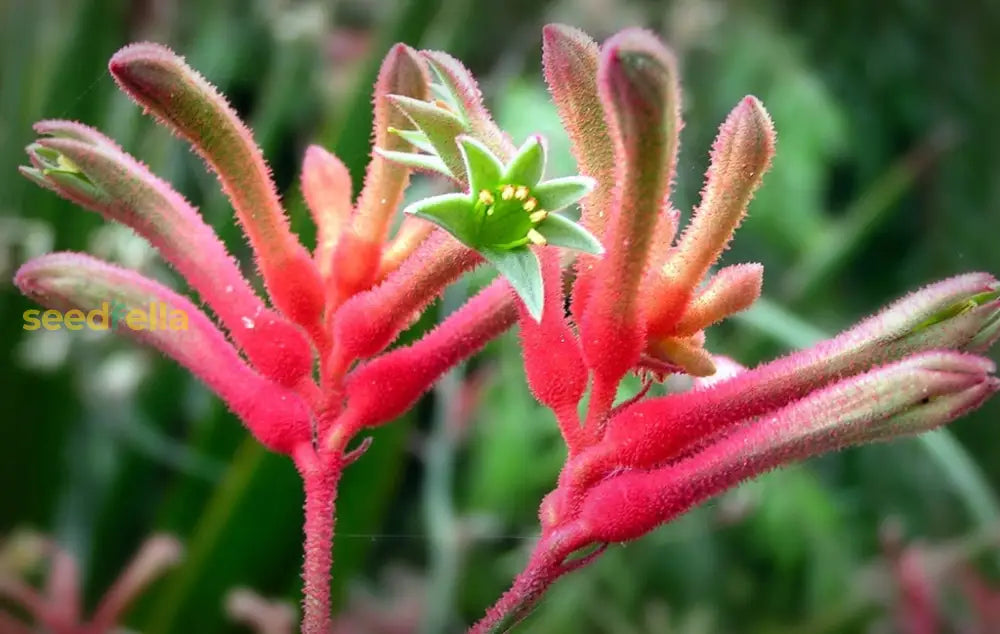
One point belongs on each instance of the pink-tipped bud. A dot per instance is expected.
(100, 296)
(741, 154)
(911, 396)
(731, 290)
(179, 97)
(86, 167)
(326, 187)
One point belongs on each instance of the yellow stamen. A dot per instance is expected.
(521, 192)
(486, 197)
(538, 216)
(536, 238)
(530, 204)
(507, 192)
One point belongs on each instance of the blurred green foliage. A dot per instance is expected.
(886, 178)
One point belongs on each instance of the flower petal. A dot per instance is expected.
(424, 162)
(562, 232)
(520, 267)
(451, 212)
(416, 138)
(558, 193)
(483, 168)
(528, 165)
(440, 126)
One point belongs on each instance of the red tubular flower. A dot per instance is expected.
(326, 187)
(910, 396)
(276, 416)
(637, 83)
(371, 320)
(387, 386)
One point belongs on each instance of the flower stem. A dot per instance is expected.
(546, 565)
(320, 475)
(515, 604)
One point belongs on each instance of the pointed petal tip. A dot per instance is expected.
(555, 31)
(315, 150)
(636, 41)
(401, 48)
(71, 129)
(139, 51)
(32, 173)
(751, 121)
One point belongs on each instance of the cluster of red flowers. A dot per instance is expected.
(309, 373)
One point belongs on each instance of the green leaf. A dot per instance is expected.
(520, 267)
(562, 232)
(528, 165)
(483, 168)
(441, 128)
(451, 212)
(558, 193)
(426, 162)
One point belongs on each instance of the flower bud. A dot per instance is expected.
(663, 428)
(155, 315)
(326, 187)
(637, 83)
(907, 397)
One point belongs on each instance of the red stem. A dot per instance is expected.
(602, 398)
(320, 475)
(546, 565)
(517, 602)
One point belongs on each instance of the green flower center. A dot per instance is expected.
(508, 216)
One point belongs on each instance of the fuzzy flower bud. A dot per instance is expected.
(153, 314)
(907, 397)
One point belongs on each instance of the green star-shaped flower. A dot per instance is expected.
(507, 209)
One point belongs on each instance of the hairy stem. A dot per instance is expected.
(515, 604)
(320, 475)
(546, 565)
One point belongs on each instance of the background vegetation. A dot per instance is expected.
(887, 177)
